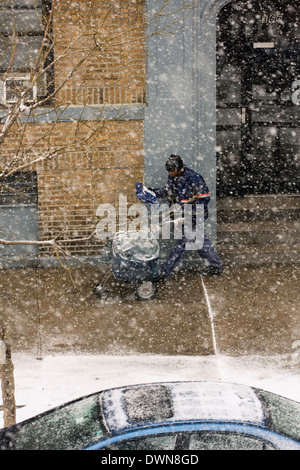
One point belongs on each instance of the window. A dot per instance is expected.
(160, 442)
(19, 218)
(72, 426)
(195, 441)
(19, 189)
(16, 87)
(227, 441)
(25, 50)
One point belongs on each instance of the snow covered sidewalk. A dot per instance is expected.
(42, 384)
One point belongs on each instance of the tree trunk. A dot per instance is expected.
(7, 382)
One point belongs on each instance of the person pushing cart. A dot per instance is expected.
(185, 186)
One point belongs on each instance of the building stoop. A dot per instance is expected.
(259, 229)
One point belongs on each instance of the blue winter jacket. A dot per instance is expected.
(189, 187)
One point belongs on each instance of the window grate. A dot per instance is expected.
(19, 189)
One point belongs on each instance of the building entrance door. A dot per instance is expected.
(258, 97)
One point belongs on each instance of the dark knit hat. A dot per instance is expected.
(174, 163)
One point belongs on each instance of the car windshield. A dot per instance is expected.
(73, 426)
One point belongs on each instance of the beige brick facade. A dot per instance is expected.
(106, 36)
(99, 54)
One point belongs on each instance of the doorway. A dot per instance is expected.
(258, 98)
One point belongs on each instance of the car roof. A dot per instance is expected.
(150, 404)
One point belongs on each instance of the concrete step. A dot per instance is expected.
(258, 258)
(258, 233)
(259, 208)
(259, 230)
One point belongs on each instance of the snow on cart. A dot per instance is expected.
(133, 257)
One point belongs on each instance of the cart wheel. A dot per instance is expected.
(100, 292)
(145, 290)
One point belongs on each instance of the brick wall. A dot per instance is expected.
(99, 46)
(72, 186)
(106, 47)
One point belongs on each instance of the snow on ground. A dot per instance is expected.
(42, 384)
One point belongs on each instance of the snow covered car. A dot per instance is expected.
(164, 416)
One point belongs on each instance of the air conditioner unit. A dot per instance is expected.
(14, 87)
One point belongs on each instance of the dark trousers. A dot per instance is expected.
(207, 252)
